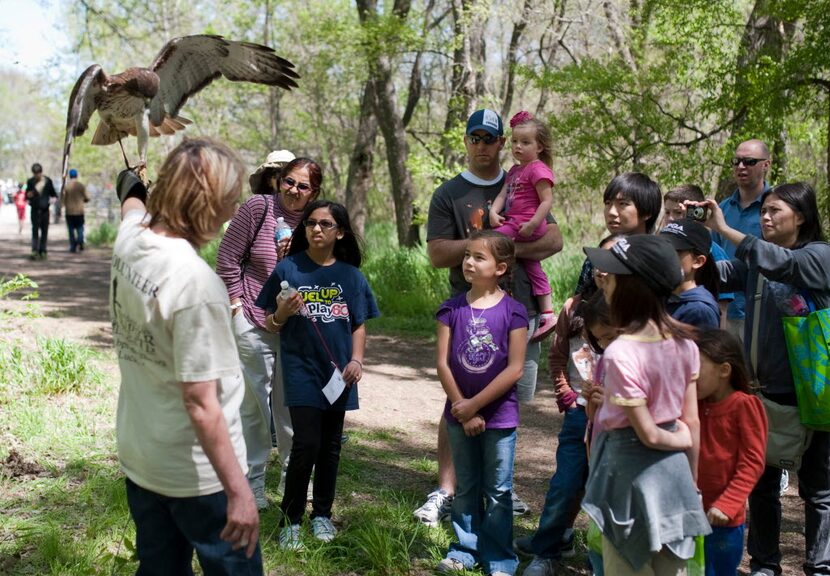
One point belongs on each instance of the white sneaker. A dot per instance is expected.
(290, 538)
(437, 507)
(323, 529)
(449, 565)
(785, 482)
(519, 506)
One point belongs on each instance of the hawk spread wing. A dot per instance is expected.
(145, 101)
(188, 64)
(81, 106)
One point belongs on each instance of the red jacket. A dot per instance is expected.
(733, 444)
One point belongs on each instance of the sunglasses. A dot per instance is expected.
(746, 161)
(288, 183)
(487, 139)
(324, 224)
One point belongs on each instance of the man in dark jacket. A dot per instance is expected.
(39, 192)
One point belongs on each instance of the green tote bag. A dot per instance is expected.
(807, 339)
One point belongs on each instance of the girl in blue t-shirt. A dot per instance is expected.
(482, 337)
(322, 341)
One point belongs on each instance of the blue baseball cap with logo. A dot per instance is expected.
(487, 120)
(73, 173)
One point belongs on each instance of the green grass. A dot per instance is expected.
(102, 235)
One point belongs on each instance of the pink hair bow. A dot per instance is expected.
(520, 118)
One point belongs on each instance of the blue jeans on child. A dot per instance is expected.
(566, 486)
(723, 550)
(482, 510)
(169, 529)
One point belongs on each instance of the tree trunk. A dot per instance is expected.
(547, 52)
(466, 82)
(764, 36)
(512, 58)
(362, 161)
(274, 94)
(390, 122)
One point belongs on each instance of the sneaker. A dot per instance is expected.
(33, 256)
(522, 545)
(540, 567)
(437, 507)
(323, 529)
(547, 322)
(449, 565)
(785, 482)
(259, 497)
(519, 507)
(290, 538)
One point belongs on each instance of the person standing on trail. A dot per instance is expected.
(39, 192)
(180, 441)
(74, 197)
(459, 207)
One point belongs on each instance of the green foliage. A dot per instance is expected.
(19, 282)
(102, 235)
(209, 251)
(55, 366)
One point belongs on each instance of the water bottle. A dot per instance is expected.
(282, 231)
(286, 291)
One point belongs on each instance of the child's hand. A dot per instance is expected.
(683, 436)
(352, 372)
(474, 426)
(526, 229)
(496, 219)
(716, 517)
(463, 410)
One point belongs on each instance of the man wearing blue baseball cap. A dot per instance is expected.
(74, 197)
(459, 207)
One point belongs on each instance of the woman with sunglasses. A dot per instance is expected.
(246, 257)
(325, 336)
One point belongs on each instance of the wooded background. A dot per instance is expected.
(665, 87)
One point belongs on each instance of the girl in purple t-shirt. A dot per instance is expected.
(526, 198)
(482, 337)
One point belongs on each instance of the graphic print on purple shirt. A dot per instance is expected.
(478, 353)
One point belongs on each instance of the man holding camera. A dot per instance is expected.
(742, 211)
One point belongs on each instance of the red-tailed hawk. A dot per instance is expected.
(145, 102)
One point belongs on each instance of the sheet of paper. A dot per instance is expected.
(335, 386)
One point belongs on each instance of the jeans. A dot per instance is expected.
(526, 386)
(75, 225)
(169, 529)
(723, 550)
(765, 512)
(482, 511)
(316, 446)
(258, 355)
(40, 229)
(566, 486)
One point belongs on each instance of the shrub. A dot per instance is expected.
(102, 235)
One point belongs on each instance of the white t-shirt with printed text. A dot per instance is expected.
(171, 324)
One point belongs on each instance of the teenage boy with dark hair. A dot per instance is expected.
(632, 205)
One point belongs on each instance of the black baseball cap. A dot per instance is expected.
(652, 258)
(686, 234)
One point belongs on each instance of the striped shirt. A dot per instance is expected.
(242, 233)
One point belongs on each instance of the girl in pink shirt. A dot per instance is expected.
(641, 487)
(526, 198)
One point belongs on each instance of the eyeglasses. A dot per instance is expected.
(746, 161)
(324, 224)
(487, 139)
(288, 183)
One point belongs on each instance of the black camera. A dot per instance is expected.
(698, 213)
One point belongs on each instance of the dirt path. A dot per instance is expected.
(400, 390)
